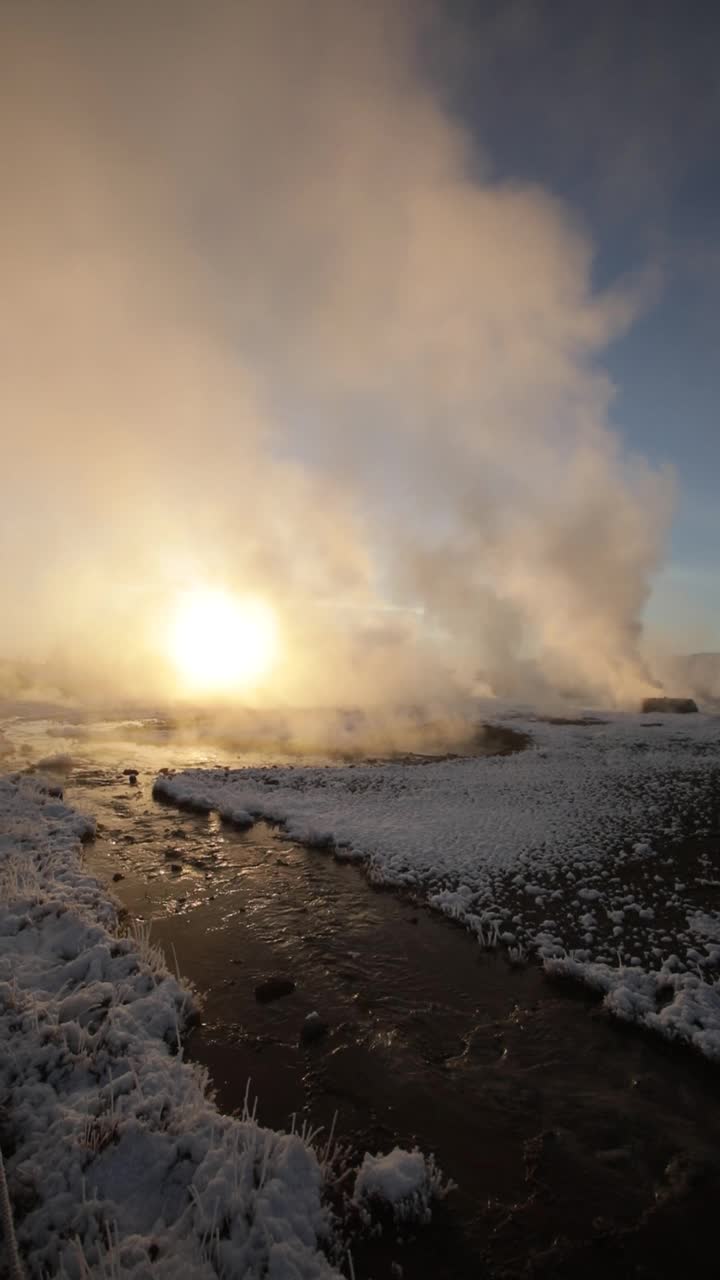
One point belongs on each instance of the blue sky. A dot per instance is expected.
(615, 108)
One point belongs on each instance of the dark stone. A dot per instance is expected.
(273, 989)
(680, 706)
(615, 1157)
(118, 876)
(129, 773)
(176, 866)
(313, 1028)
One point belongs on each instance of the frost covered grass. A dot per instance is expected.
(597, 849)
(117, 1161)
(405, 1182)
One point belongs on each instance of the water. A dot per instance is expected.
(579, 1146)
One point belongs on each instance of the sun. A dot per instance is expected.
(219, 641)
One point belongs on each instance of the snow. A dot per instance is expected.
(459, 820)
(576, 849)
(593, 815)
(112, 1146)
(406, 1181)
(679, 1006)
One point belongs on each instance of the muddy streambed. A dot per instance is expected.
(579, 1146)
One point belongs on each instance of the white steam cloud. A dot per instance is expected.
(267, 322)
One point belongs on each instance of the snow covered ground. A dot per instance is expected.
(117, 1161)
(597, 848)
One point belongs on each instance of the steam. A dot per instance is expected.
(269, 323)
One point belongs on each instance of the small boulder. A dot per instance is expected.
(273, 989)
(313, 1028)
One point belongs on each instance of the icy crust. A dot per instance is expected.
(117, 1161)
(567, 849)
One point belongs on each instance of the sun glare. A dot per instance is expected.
(220, 641)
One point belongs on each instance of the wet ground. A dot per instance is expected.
(580, 1147)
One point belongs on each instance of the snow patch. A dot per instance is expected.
(406, 1181)
(679, 1006)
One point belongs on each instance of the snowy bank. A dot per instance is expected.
(116, 1159)
(679, 1006)
(595, 845)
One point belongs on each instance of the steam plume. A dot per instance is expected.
(269, 321)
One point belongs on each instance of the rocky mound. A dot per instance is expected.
(678, 705)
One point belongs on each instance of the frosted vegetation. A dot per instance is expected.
(592, 850)
(118, 1163)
